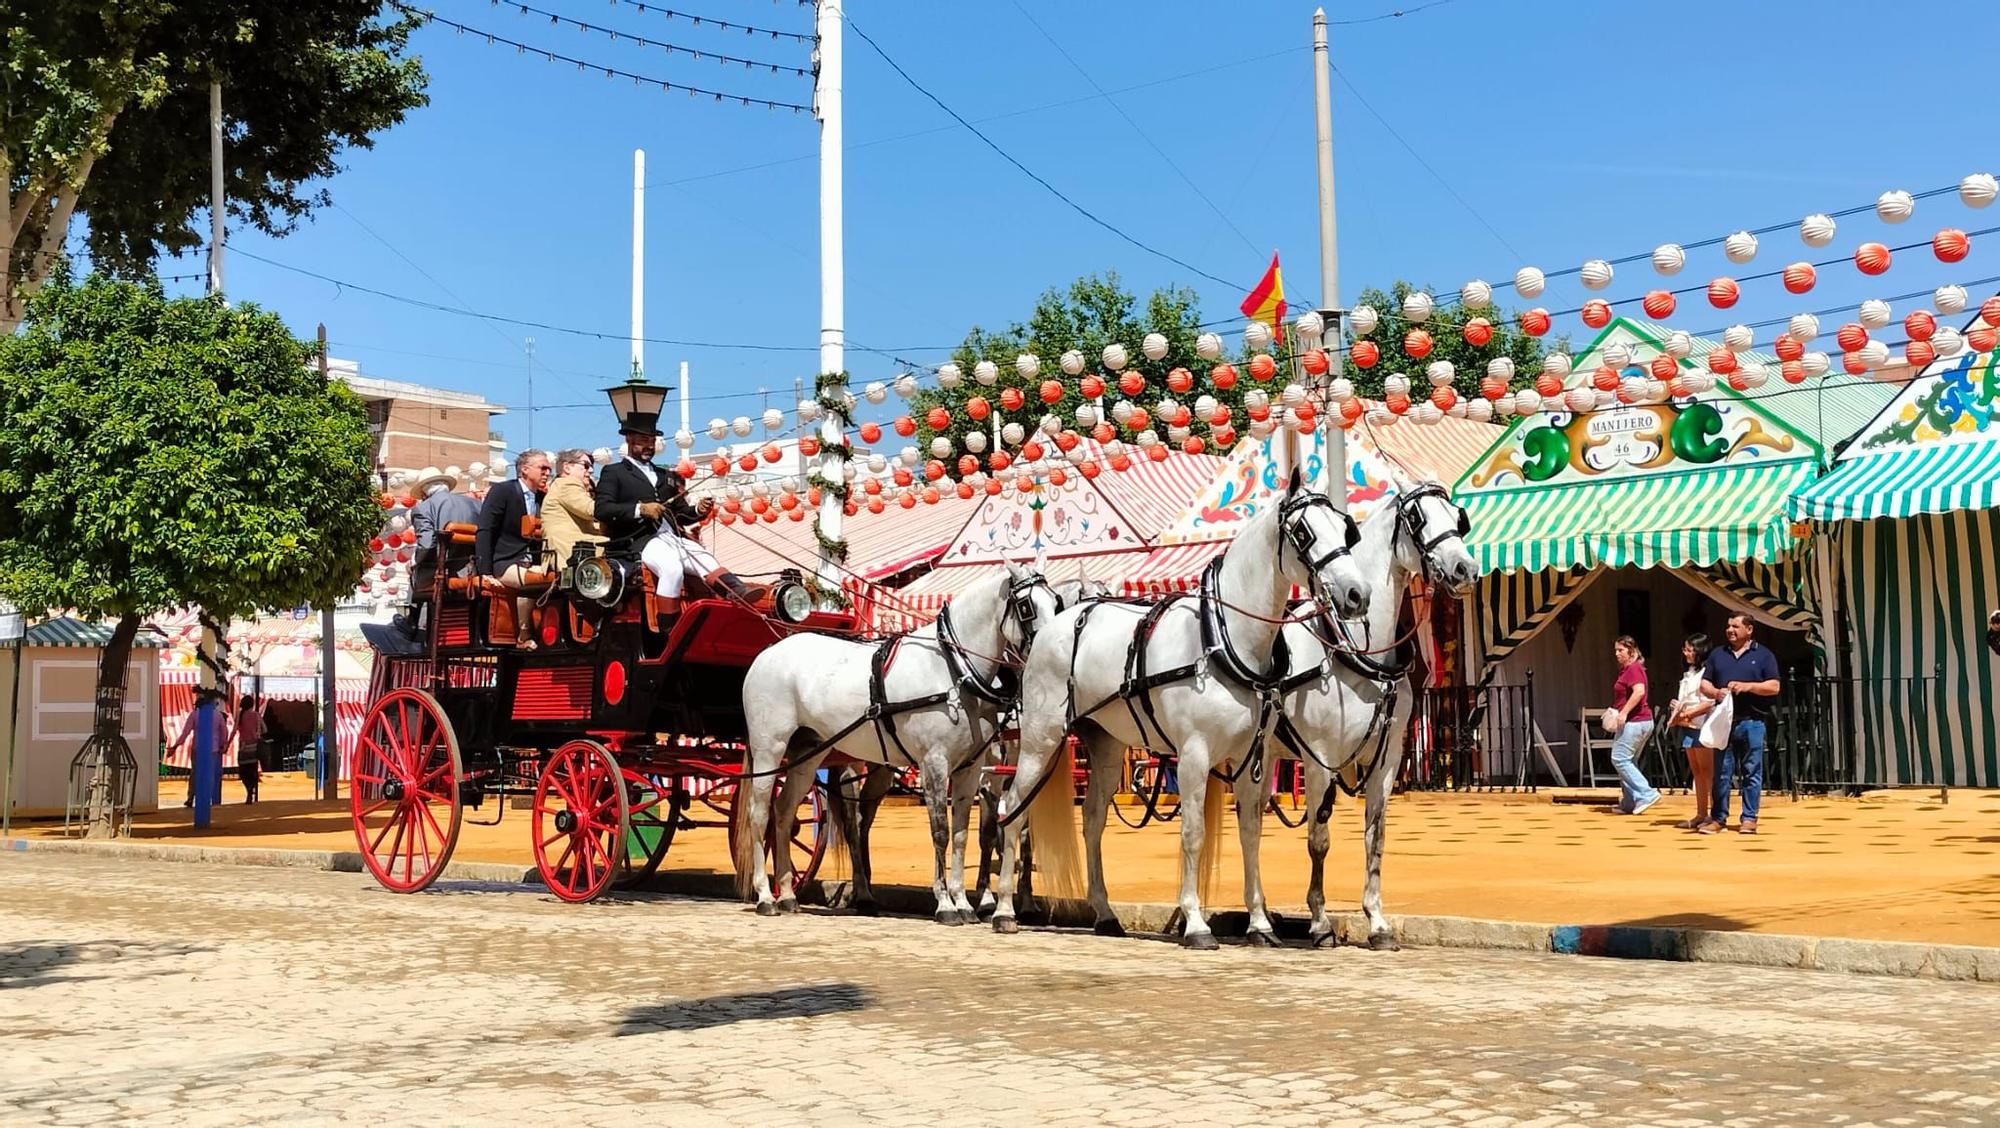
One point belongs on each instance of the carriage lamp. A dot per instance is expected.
(638, 403)
(601, 580)
(792, 602)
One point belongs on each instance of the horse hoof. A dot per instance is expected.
(983, 912)
(767, 908)
(949, 916)
(1258, 938)
(968, 916)
(867, 909)
(1326, 940)
(1199, 941)
(1005, 925)
(1383, 942)
(788, 906)
(1109, 926)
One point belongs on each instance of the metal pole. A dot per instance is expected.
(684, 395)
(215, 187)
(13, 736)
(528, 346)
(827, 21)
(638, 262)
(1335, 439)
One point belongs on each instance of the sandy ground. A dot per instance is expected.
(1890, 866)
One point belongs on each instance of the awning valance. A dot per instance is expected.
(1728, 513)
(1904, 483)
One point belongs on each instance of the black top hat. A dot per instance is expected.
(638, 405)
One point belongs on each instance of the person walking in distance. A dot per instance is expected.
(1631, 718)
(1746, 672)
(1684, 722)
(250, 746)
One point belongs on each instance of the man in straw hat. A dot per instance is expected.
(643, 510)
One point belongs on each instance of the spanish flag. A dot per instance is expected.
(1267, 301)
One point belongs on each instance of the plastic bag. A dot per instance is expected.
(1715, 727)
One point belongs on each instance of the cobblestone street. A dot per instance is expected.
(182, 994)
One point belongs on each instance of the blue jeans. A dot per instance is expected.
(1632, 784)
(1746, 747)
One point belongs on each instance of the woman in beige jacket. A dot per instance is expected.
(567, 519)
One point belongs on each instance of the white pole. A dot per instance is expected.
(1334, 449)
(832, 301)
(215, 187)
(684, 396)
(639, 263)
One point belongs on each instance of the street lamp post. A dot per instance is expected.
(13, 630)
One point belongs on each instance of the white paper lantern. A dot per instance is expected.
(1875, 353)
(1395, 384)
(1417, 307)
(1362, 319)
(875, 391)
(1817, 229)
(1948, 341)
(1208, 346)
(718, 428)
(1293, 395)
(1580, 398)
(1738, 338)
(1679, 344)
(1875, 313)
(1078, 454)
(760, 489)
(847, 404)
(1815, 363)
(808, 410)
(940, 447)
(1426, 413)
(1978, 190)
(1257, 336)
(1476, 294)
(1012, 434)
(1668, 258)
(1603, 401)
(1529, 282)
(1440, 373)
(985, 373)
(1382, 417)
(1596, 274)
(1258, 397)
(1154, 346)
(905, 385)
(908, 456)
(1894, 206)
(1260, 429)
(1204, 406)
(1071, 362)
(1740, 247)
(1657, 391)
(456, 472)
(1949, 299)
(1557, 365)
(1527, 401)
(1802, 327)
(1615, 355)
(499, 467)
(1147, 438)
(1500, 368)
(1311, 327)
(773, 419)
(1051, 425)
(1121, 411)
(1028, 365)
(1754, 376)
(1178, 435)
(949, 376)
(1086, 416)
(975, 441)
(1479, 410)
(742, 426)
(1114, 357)
(877, 464)
(1341, 389)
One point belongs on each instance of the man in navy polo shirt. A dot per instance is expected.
(1746, 670)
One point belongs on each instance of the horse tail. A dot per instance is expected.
(1052, 828)
(742, 853)
(838, 812)
(1209, 866)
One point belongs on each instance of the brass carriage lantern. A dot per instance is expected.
(638, 404)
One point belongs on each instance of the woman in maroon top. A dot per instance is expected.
(1631, 717)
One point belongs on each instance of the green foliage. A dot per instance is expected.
(107, 115)
(157, 454)
(1447, 329)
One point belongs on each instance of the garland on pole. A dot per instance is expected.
(835, 404)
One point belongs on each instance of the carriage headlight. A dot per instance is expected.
(600, 580)
(792, 602)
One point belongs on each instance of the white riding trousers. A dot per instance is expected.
(671, 557)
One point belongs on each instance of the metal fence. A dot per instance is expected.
(1472, 738)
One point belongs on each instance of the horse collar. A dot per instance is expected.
(1215, 637)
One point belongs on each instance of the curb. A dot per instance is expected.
(1963, 963)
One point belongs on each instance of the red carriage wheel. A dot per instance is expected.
(652, 809)
(579, 821)
(810, 830)
(405, 793)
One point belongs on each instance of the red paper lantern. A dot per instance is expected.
(1597, 313)
(903, 476)
(1871, 258)
(788, 502)
(1223, 376)
(747, 463)
(1131, 382)
(1980, 338)
(1121, 462)
(386, 502)
(1739, 382)
(964, 490)
(1157, 452)
(1989, 310)
(1305, 412)
(1919, 353)
(905, 426)
(931, 495)
(809, 445)
(1103, 432)
(1547, 386)
(1364, 354)
(1851, 336)
(1951, 245)
(871, 485)
(1853, 363)
(1721, 362)
(875, 505)
(907, 501)
(871, 432)
(1722, 293)
(796, 515)
(1492, 387)
(1396, 402)
(375, 544)
(1220, 416)
(1604, 379)
(1193, 445)
(731, 505)
(1443, 397)
(758, 505)
(1535, 322)
(933, 470)
(1180, 416)
(1012, 399)
(728, 519)
(1090, 470)
(1057, 476)
(1091, 386)
(1418, 343)
(1052, 391)
(813, 496)
(1066, 441)
(1225, 437)
(968, 465)
(1351, 410)
(1180, 380)
(1478, 331)
(771, 452)
(685, 467)
(1262, 367)
(1664, 367)
(1793, 372)
(978, 408)
(851, 508)
(1800, 277)
(1659, 304)
(1920, 325)
(1032, 451)
(1138, 420)
(1315, 362)
(999, 460)
(993, 487)
(938, 418)
(1788, 347)
(718, 466)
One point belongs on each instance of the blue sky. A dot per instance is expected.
(1553, 131)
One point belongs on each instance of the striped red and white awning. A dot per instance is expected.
(1173, 568)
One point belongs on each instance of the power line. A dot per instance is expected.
(700, 21)
(669, 48)
(609, 72)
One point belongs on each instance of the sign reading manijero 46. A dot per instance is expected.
(1560, 444)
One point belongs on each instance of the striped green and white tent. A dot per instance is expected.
(1912, 513)
(1697, 484)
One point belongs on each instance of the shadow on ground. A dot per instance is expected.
(753, 1006)
(38, 963)
(1709, 921)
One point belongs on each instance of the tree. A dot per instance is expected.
(107, 117)
(1447, 330)
(157, 454)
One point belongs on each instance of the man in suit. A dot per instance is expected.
(644, 512)
(439, 506)
(500, 550)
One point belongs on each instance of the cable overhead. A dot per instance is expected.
(726, 25)
(609, 72)
(669, 48)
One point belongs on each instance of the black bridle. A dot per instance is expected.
(1304, 539)
(1410, 516)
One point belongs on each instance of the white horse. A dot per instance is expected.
(1122, 676)
(925, 699)
(1348, 711)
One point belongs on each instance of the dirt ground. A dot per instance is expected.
(1889, 865)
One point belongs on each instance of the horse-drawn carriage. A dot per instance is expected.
(621, 725)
